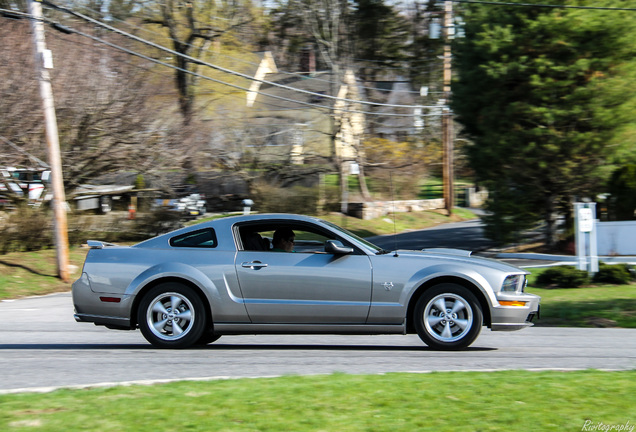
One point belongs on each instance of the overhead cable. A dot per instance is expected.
(219, 68)
(29, 155)
(145, 57)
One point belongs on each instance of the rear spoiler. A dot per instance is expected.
(96, 244)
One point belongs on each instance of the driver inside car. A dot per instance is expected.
(283, 240)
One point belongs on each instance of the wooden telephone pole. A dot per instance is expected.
(447, 117)
(42, 63)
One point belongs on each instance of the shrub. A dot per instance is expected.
(112, 227)
(155, 223)
(273, 199)
(140, 182)
(26, 229)
(563, 277)
(618, 274)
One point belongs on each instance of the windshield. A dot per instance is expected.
(366, 243)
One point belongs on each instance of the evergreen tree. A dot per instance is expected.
(540, 91)
(622, 189)
(380, 37)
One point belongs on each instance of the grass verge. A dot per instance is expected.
(442, 401)
(35, 273)
(590, 306)
(400, 223)
(599, 306)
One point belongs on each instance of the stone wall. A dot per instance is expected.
(376, 209)
(476, 198)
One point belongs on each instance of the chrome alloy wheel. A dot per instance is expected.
(448, 317)
(170, 316)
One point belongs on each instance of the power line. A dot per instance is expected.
(145, 30)
(26, 153)
(145, 57)
(236, 58)
(225, 70)
(274, 107)
(97, 39)
(13, 14)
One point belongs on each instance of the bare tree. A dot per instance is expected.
(108, 103)
(192, 27)
(20, 111)
(328, 22)
(17, 5)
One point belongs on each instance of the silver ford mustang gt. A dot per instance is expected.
(224, 277)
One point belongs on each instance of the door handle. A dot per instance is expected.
(254, 265)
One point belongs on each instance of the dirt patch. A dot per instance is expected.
(601, 322)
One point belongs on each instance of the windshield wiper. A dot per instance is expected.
(383, 252)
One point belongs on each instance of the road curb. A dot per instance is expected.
(564, 259)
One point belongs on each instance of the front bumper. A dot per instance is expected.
(509, 318)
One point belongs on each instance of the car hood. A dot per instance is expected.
(459, 256)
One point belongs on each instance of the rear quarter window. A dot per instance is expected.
(205, 238)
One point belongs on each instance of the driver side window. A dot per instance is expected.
(304, 240)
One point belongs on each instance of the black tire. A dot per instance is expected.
(448, 317)
(208, 337)
(163, 327)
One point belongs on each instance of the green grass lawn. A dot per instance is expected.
(400, 223)
(442, 401)
(590, 306)
(35, 273)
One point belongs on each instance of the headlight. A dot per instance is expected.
(513, 283)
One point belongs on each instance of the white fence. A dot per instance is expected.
(616, 238)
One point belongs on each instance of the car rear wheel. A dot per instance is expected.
(171, 316)
(448, 317)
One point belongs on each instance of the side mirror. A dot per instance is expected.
(337, 248)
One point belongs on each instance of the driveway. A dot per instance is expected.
(467, 235)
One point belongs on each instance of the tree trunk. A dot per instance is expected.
(363, 184)
(550, 232)
(185, 97)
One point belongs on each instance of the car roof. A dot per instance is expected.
(224, 225)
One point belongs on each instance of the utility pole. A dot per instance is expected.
(43, 62)
(447, 117)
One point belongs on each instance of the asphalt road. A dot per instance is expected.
(466, 235)
(42, 348)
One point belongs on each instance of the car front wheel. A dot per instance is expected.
(208, 337)
(171, 316)
(448, 317)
